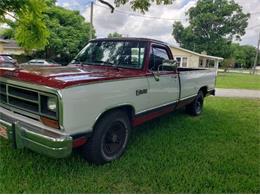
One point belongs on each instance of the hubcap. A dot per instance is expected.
(114, 139)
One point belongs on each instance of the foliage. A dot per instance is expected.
(228, 63)
(238, 81)
(30, 32)
(10, 6)
(217, 152)
(68, 34)
(7, 33)
(213, 25)
(114, 35)
(244, 55)
(142, 5)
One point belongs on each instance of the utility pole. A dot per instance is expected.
(256, 56)
(91, 20)
(92, 13)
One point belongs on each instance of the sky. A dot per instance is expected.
(157, 22)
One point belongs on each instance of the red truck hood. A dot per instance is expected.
(62, 77)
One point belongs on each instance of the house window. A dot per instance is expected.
(178, 60)
(207, 63)
(201, 63)
(211, 64)
(184, 62)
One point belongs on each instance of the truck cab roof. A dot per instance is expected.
(139, 39)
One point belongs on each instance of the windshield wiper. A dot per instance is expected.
(103, 62)
(76, 61)
(96, 62)
(115, 66)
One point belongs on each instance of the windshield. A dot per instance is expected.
(128, 54)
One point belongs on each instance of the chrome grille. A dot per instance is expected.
(28, 100)
(3, 95)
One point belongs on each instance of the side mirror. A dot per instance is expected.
(169, 65)
(156, 76)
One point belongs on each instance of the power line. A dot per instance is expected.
(154, 17)
(255, 13)
(142, 16)
(157, 18)
(254, 26)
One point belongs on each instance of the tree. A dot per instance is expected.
(68, 34)
(228, 63)
(31, 32)
(213, 26)
(114, 35)
(243, 54)
(7, 33)
(142, 5)
(250, 52)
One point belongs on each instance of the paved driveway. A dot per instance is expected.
(243, 93)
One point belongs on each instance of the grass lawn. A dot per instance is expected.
(217, 152)
(238, 81)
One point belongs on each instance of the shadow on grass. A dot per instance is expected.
(175, 122)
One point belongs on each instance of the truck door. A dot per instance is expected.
(164, 88)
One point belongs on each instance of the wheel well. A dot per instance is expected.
(128, 109)
(204, 90)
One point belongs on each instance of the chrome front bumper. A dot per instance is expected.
(24, 132)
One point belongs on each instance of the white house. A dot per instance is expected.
(10, 47)
(187, 58)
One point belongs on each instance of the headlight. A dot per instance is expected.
(52, 104)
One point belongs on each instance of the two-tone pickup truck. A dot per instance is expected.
(92, 104)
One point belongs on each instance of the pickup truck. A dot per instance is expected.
(112, 86)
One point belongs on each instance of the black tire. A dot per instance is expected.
(195, 108)
(109, 139)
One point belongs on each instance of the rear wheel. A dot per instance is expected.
(195, 108)
(109, 139)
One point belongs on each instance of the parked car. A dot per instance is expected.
(40, 62)
(112, 86)
(7, 61)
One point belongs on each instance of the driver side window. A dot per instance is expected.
(157, 57)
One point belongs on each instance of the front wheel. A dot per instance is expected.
(109, 139)
(195, 108)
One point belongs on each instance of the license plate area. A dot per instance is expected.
(3, 132)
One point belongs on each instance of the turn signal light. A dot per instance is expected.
(50, 122)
